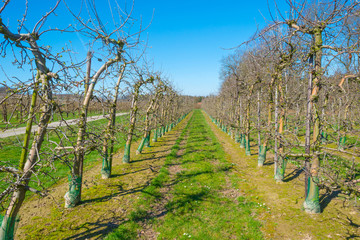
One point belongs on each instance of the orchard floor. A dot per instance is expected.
(107, 203)
(285, 220)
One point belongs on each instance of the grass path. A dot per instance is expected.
(286, 220)
(195, 196)
(105, 203)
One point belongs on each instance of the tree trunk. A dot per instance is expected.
(281, 162)
(247, 123)
(263, 150)
(4, 112)
(8, 224)
(134, 109)
(308, 126)
(146, 138)
(260, 160)
(311, 204)
(108, 145)
(29, 123)
(155, 135)
(276, 157)
(73, 196)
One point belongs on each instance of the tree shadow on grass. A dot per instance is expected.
(181, 176)
(268, 163)
(165, 144)
(352, 231)
(155, 152)
(326, 198)
(95, 230)
(183, 202)
(354, 225)
(353, 236)
(98, 229)
(127, 173)
(190, 152)
(294, 174)
(198, 139)
(187, 201)
(119, 193)
(145, 159)
(184, 175)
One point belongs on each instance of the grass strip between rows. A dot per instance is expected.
(129, 229)
(203, 201)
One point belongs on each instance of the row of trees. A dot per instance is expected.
(114, 68)
(295, 88)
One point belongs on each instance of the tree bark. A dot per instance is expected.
(133, 113)
(18, 197)
(147, 131)
(73, 196)
(311, 203)
(108, 145)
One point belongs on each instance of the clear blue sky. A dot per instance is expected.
(187, 39)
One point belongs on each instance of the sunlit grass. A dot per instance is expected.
(195, 207)
(52, 169)
(16, 122)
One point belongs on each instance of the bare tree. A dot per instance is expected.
(42, 87)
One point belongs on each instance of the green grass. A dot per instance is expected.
(198, 207)
(51, 170)
(128, 230)
(16, 123)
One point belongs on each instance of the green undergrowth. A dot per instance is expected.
(52, 170)
(195, 202)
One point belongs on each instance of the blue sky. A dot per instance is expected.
(187, 39)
